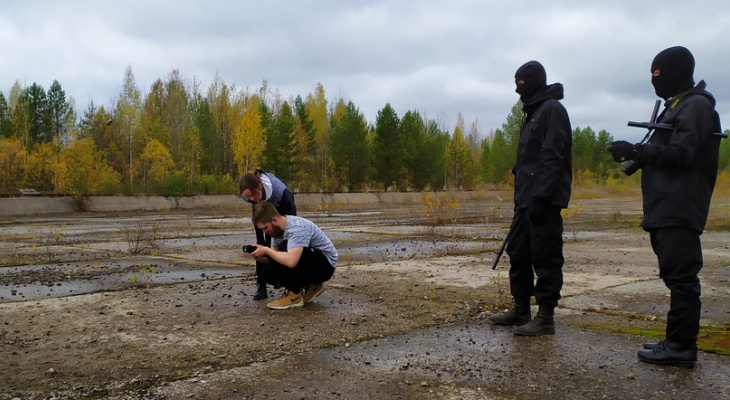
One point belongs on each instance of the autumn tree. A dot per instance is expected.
(223, 118)
(152, 125)
(93, 125)
(211, 136)
(12, 164)
(21, 122)
(174, 116)
(42, 170)
(190, 165)
(88, 171)
(459, 163)
(316, 105)
(155, 165)
(305, 147)
(127, 118)
(16, 91)
(248, 140)
(473, 142)
(201, 119)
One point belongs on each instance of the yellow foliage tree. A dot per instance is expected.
(460, 166)
(248, 140)
(87, 170)
(156, 163)
(316, 105)
(583, 177)
(43, 170)
(223, 119)
(12, 162)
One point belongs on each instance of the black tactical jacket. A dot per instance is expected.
(680, 166)
(543, 168)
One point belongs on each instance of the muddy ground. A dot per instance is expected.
(158, 305)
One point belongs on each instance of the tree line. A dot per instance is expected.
(179, 140)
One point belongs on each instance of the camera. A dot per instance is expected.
(249, 248)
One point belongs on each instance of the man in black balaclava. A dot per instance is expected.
(672, 72)
(542, 189)
(530, 79)
(679, 171)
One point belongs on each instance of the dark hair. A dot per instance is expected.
(264, 213)
(250, 181)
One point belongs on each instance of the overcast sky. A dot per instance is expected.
(440, 58)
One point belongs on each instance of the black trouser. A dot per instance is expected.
(286, 207)
(313, 267)
(264, 240)
(536, 249)
(679, 253)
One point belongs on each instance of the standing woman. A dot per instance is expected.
(255, 187)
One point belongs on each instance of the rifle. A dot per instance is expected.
(506, 239)
(631, 166)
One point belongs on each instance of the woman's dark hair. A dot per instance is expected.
(250, 181)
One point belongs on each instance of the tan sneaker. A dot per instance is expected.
(287, 301)
(313, 291)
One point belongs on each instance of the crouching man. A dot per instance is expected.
(301, 257)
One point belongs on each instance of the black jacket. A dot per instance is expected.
(680, 166)
(543, 168)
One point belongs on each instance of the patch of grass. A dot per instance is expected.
(653, 333)
(712, 339)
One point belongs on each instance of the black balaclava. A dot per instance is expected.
(530, 79)
(672, 71)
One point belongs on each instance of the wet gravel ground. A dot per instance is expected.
(403, 318)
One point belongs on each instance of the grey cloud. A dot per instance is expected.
(438, 58)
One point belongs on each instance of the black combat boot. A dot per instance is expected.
(670, 353)
(517, 316)
(261, 293)
(542, 324)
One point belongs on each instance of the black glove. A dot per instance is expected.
(622, 150)
(537, 209)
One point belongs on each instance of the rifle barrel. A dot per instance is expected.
(650, 125)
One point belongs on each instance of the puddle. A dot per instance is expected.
(61, 280)
(409, 249)
(66, 279)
